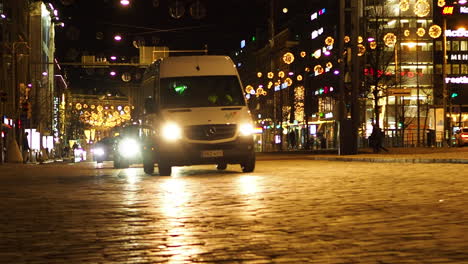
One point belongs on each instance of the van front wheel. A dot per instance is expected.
(249, 164)
(148, 167)
(164, 169)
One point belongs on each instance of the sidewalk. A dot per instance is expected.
(394, 155)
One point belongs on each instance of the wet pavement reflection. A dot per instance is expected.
(292, 211)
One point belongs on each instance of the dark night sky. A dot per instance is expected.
(226, 23)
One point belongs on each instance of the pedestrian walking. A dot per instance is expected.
(25, 147)
(376, 139)
(292, 139)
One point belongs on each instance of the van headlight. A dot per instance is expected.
(246, 129)
(171, 132)
(129, 147)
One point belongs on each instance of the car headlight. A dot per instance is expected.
(129, 147)
(171, 132)
(98, 151)
(246, 129)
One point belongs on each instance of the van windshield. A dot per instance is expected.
(201, 91)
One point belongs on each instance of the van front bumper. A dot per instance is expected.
(184, 154)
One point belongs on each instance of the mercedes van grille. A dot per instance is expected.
(210, 132)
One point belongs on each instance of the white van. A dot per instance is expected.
(197, 108)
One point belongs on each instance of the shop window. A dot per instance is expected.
(448, 45)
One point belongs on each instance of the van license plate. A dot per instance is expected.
(211, 153)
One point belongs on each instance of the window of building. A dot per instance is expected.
(438, 45)
(448, 69)
(464, 69)
(455, 69)
(464, 45)
(438, 69)
(448, 45)
(455, 45)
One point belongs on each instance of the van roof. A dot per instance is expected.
(205, 65)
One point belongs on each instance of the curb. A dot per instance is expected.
(392, 160)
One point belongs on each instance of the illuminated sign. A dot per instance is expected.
(458, 80)
(316, 33)
(380, 73)
(463, 10)
(458, 57)
(456, 33)
(448, 10)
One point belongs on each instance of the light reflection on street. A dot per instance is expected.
(174, 206)
(248, 184)
(249, 187)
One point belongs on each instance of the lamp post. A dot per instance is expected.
(444, 75)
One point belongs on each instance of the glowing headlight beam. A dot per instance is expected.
(98, 151)
(129, 147)
(246, 129)
(171, 132)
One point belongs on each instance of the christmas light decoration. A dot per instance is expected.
(441, 3)
(404, 5)
(288, 58)
(422, 8)
(390, 39)
(435, 31)
(421, 32)
(361, 49)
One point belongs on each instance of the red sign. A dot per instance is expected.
(379, 73)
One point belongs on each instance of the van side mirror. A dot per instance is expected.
(150, 106)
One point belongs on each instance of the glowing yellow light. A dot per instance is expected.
(259, 91)
(373, 45)
(288, 81)
(270, 75)
(303, 54)
(360, 39)
(404, 5)
(299, 77)
(318, 69)
(281, 74)
(329, 65)
(421, 32)
(78, 106)
(422, 8)
(406, 32)
(390, 39)
(270, 84)
(248, 89)
(329, 41)
(435, 31)
(347, 39)
(259, 74)
(288, 58)
(441, 3)
(361, 49)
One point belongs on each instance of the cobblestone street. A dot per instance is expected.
(287, 211)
